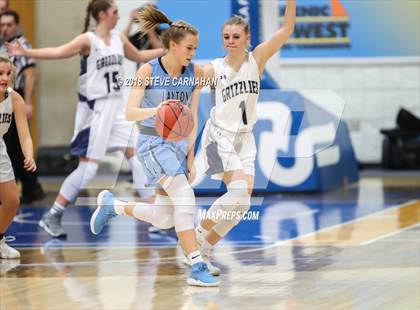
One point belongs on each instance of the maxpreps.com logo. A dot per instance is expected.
(320, 23)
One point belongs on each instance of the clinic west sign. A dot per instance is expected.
(320, 24)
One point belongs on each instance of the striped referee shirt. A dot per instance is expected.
(21, 63)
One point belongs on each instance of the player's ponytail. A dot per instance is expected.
(149, 17)
(93, 9)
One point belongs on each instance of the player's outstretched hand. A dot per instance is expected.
(15, 49)
(29, 164)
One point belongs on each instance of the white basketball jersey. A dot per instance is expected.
(236, 95)
(6, 110)
(102, 71)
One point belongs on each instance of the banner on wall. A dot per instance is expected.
(348, 28)
(324, 28)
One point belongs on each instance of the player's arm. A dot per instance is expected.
(30, 75)
(139, 56)
(79, 45)
(25, 140)
(134, 112)
(268, 48)
(192, 138)
(208, 72)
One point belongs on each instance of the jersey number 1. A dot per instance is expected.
(108, 78)
(242, 107)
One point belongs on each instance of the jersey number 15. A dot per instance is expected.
(112, 79)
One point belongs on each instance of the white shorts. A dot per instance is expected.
(6, 169)
(227, 151)
(101, 126)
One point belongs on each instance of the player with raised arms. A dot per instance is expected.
(228, 142)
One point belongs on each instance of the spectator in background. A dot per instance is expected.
(4, 5)
(24, 84)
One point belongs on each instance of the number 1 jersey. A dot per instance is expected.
(236, 95)
(102, 73)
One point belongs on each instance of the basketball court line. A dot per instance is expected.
(392, 234)
(311, 239)
(366, 230)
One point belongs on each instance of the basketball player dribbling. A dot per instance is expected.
(168, 164)
(11, 102)
(100, 124)
(228, 142)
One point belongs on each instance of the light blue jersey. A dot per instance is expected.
(163, 87)
(160, 157)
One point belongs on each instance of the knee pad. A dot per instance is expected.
(183, 221)
(183, 199)
(240, 197)
(181, 194)
(163, 212)
(234, 200)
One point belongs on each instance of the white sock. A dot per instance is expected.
(139, 178)
(195, 257)
(119, 207)
(57, 209)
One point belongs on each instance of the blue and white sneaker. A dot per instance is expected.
(200, 276)
(103, 213)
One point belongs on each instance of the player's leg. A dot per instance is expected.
(240, 152)
(182, 195)
(237, 198)
(70, 189)
(9, 204)
(159, 214)
(89, 142)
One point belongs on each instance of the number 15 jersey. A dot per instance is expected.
(102, 71)
(236, 95)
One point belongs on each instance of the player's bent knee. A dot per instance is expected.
(239, 198)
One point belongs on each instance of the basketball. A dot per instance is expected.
(174, 121)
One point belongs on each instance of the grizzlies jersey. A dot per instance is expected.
(6, 110)
(102, 71)
(163, 87)
(236, 95)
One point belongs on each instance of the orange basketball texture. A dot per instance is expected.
(174, 121)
